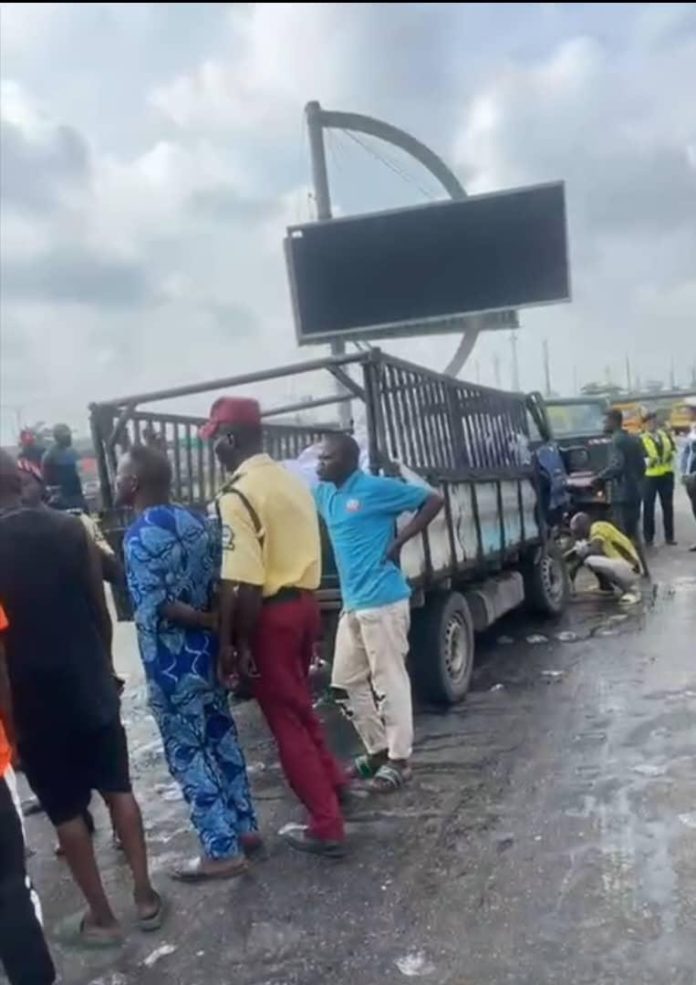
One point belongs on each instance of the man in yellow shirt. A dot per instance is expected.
(606, 552)
(269, 617)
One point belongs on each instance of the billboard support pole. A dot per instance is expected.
(319, 119)
(322, 198)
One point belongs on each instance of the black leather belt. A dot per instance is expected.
(286, 595)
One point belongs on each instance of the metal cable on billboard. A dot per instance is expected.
(318, 120)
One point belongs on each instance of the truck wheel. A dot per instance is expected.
(442, 648)
(546, 582)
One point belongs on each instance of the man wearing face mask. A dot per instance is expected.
(269, 617)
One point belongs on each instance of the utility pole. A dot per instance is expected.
(515, 364)
(322, 198)
(629, 385)
(672, 384)
(547, 368)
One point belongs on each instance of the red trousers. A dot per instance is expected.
(283, 646)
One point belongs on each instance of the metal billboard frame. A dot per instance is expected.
(420, 326)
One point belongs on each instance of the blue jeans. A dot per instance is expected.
(202, 750)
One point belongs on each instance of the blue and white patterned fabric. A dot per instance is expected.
(173, 555)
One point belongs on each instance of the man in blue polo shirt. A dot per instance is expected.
(360, 512)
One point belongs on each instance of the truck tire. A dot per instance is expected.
(546, 582)
(442, 649)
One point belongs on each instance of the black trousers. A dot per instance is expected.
(690, 486)
(662, 486)
(23, 950)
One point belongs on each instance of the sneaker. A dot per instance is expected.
(303, 841)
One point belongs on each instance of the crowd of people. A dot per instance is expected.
(640, 469)
(222, 603)
(219, 603)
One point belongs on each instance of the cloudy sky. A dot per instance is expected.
(152, 155)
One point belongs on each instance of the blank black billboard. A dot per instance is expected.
(484, 253)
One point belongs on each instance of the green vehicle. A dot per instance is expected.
(577, 426)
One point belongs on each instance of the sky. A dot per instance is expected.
(153, 155)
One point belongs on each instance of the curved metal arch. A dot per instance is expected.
(335, 119)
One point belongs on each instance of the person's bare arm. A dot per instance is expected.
(95, 589)
(423, 518)
(246, 618)
(112, 569)
(183, 614)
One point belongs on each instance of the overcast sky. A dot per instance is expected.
(152, 155)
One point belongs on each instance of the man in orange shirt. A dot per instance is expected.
(23, 951)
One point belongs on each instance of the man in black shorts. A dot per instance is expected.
(65, 702)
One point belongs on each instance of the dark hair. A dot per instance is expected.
(151, 467)
(346, 445)
(615, 416)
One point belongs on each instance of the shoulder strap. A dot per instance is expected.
(255, 519)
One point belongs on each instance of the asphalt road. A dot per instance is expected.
(548, 837)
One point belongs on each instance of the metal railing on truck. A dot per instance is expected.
(446, 430)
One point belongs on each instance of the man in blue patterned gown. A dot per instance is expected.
(172, 560)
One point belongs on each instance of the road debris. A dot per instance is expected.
(160, 952)
(415, 965)
(498, 687)
(536, 638)
(649, 769)
(567, 636)
(688, 819)
(553, 675)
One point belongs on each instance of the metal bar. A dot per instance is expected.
(177, 461)
(122, 417)
(189, 461)
(350, 384)
(201, 471)
(390, 413)
(369, 371)
(308, 404)
(477, 520)
(231, 381)
(445, 488)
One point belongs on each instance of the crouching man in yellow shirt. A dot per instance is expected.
(606, 552)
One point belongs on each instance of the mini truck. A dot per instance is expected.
(485, 554)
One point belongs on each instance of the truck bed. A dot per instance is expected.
(468, 441)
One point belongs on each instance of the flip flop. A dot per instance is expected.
(390, 778)
(155, 920)
(192, 874)
(71, 932)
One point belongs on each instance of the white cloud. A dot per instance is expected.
(168, 191)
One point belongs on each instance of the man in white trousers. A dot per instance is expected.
(360, 512)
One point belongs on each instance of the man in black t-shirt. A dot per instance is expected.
(65, 703)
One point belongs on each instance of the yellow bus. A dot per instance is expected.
(670, 405)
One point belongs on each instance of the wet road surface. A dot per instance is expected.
(548, 837)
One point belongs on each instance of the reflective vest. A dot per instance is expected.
(659, 452)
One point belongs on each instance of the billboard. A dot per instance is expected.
(423, 270)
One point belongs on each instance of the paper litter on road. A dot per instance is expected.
(649, 769)
(160, 952)
(688, 819)
(292, 826)
(537, 638)
(567, 636)
(554, 675)
(498, 687)
(415, 965)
